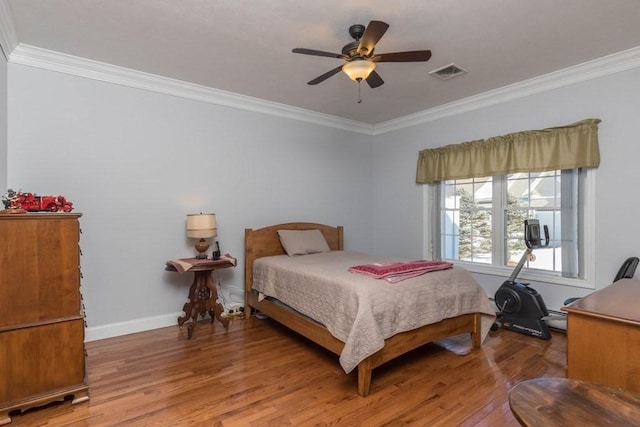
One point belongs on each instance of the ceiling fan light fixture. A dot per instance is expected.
(358, 69)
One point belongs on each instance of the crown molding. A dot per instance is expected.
(55, 61)
(73, 65)
(611, 64)
(8, 34)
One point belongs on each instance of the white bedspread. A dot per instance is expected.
(362, 311)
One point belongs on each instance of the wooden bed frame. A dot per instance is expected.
(265, 242)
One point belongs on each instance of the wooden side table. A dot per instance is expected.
(548, 402)
(203, 297)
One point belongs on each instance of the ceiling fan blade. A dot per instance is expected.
(325, 76)
(374, 80)
(412, 56)
(318, 53)
(374, 32)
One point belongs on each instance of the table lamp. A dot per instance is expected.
(201, 226)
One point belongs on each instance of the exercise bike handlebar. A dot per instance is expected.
(533, 241)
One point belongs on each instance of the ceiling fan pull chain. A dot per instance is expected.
(359, 97)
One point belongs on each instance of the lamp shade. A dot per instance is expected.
(201, 226)
(358, 69)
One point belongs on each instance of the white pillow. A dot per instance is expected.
(302, 242)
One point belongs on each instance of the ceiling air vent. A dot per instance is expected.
(448, 71)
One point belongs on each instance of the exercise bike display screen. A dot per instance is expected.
(532, 237)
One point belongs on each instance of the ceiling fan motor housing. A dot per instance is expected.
(350, 49)
(356, 31)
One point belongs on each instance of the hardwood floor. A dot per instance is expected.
(259, 373)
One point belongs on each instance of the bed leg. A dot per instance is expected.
(476, 335)
(364, 377)
(475, 339)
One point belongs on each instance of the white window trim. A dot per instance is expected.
(589, 246)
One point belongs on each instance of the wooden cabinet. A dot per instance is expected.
(42, 356)
(603, 336)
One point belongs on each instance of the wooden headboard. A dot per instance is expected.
(265, 242)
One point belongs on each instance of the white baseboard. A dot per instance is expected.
(131, 327)
(558, 321)
(148, 323)
(231, 296)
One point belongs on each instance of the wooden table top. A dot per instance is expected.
(611, 302)
(563, 402)
(195, 264)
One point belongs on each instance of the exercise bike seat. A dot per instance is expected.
(626, 271)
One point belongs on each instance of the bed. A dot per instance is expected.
(364, 346)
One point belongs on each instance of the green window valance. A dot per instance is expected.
(567, 147)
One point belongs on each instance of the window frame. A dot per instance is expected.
(586, 236)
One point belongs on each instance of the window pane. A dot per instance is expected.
(468, 207)
(514, 233)
(482, 241)
(483, 193)
(450, 196)
(451, 221)
(547, 192)
(450, 247)
(466, 220)
(544, 259)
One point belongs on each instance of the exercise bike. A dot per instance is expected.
(521, 308)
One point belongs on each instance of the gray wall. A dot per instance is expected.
(136, 162)
(615, 99)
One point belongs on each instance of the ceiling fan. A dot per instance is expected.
(360, 56)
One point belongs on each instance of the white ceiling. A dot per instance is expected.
(244, 46)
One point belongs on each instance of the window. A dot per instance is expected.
(479, 222)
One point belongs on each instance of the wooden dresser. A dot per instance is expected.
(42, 355)
(603, 336)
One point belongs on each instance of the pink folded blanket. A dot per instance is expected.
(398, 271)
